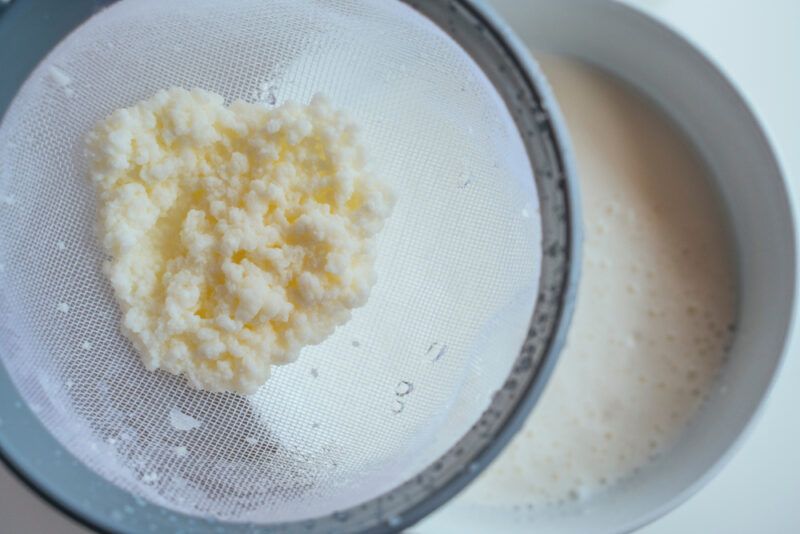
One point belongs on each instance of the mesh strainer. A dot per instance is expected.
(404, 404)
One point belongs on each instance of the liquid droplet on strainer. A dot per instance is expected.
(403, 388)
(268, 95)
(464, 180)
(436, 351)
(398, 406)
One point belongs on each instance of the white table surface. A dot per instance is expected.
(757, 43)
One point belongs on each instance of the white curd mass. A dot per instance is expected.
(237, 234)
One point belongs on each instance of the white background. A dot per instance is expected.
(757, 43)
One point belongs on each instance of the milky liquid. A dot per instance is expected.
(655, 308)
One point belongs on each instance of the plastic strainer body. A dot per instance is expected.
(405, 403)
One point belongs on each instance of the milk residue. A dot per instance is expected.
(655, 309)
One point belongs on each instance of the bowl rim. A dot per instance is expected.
(679, 40)
(682, 40)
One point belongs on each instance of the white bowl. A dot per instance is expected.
(664, 66)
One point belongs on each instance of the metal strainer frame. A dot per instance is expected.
(39, 460)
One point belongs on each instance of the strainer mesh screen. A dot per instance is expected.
(391, 390)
